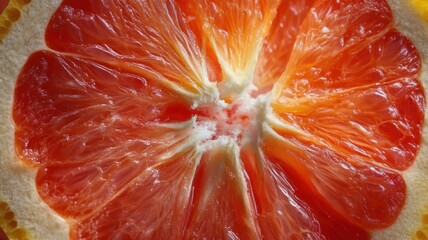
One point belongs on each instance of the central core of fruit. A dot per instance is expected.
(235, 121)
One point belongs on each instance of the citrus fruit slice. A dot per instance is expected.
(188, 119)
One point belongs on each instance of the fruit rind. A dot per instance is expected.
(415, 177)
(17, 186)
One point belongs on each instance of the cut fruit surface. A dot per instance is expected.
(279, 44)
(165, 49)
(123, 143)
(221, 193)
(367, 195)
(234, 30)
(248, 119)
(157, 201)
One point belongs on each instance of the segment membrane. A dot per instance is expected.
(92, 129)
(367, 195)
(279, 44)
(280, 213)
(221, 208)
(354, 84)
(380, 123)
(331, 28)
(147, 37)
(153, 206)
(235, 31)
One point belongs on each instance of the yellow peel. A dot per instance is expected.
(421, 7)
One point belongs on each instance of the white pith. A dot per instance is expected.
(17, 185)
(218, 127)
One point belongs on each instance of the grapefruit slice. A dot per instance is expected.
(222, 120)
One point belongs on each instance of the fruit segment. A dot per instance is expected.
(76, 188)
(153, 206)
(349, 103)
(367, 195)
(235, 31)
(332, 27)
(221, 207)
(92, 129)
(286, 207)
(279, 44)
(280, 214)
(333, 32)
(366, 100)
(380, 123)
(391, 57)
(123, 33)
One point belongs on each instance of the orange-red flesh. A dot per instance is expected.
(130, 140)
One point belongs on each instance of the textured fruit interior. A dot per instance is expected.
(165, 119)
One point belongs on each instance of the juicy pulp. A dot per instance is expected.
(114, 124)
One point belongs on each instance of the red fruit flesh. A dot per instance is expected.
(136, 131)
